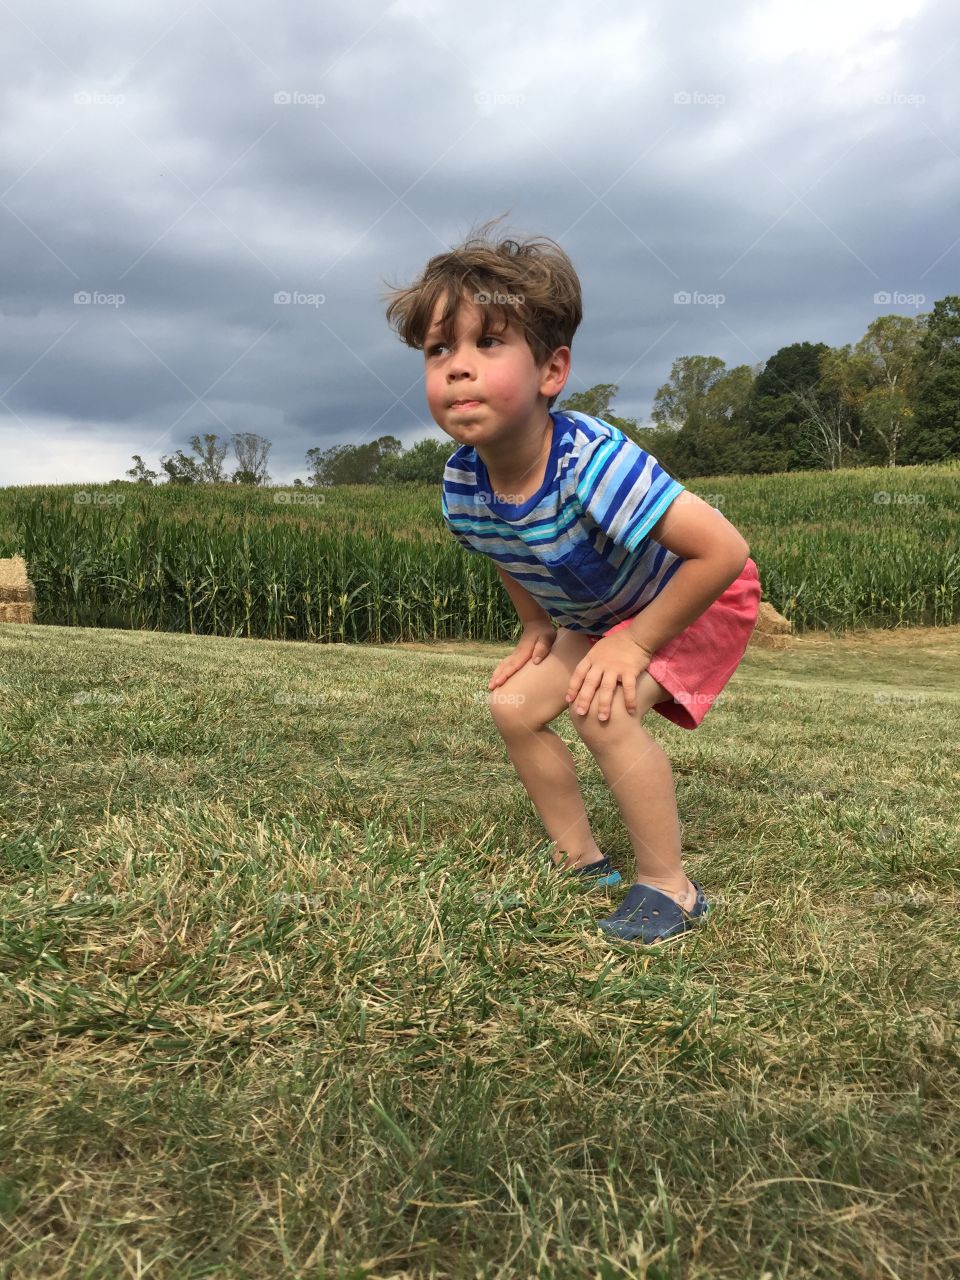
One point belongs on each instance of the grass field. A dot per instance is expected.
(262, 1016)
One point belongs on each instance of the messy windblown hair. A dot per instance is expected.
(529, 281)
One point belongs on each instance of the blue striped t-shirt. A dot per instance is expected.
(580, 545)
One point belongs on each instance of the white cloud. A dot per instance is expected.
(60, 450)
(779, 29)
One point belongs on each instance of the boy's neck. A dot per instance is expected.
(521, 473)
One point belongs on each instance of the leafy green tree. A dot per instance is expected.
(936, 425)
(885, 369)
(784, 397)
(210, 455)
(700, 415)
(181, 468)
(681, 401)
(423, 463)
(830, 431)
(350, 463)
(722, 447)
(251, 453)
(141, 473)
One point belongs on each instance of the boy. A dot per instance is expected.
(653, 591)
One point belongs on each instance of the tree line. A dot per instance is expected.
(891, 399)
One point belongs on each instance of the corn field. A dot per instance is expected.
(874, 547)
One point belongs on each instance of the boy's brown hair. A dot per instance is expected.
(530, 281)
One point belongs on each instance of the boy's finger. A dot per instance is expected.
(503, 673)
(587, 691)
(630, 693)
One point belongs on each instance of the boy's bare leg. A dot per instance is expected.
(547, 770)
(638, 773)
(532, 697)
(522, 708)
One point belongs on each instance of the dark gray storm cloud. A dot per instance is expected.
(182, 164)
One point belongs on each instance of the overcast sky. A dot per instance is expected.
(782, 164)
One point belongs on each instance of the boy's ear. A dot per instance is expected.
(555, 370)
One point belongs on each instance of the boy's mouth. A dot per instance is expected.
(464, 404)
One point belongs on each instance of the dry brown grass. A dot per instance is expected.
(265, 1013)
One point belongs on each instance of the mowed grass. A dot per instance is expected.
(262, 1016)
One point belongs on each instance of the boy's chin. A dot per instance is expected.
(459, 429)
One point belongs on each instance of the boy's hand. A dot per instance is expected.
(614, 660)
(535, 642)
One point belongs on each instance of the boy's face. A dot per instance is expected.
(496, 373)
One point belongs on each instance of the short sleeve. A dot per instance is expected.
(622, 488)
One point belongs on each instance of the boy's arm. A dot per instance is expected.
(530, 611)
(714, 556)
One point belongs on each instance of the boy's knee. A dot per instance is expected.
(593, 730)
(597, 732)
(512, 711)
(505, 706)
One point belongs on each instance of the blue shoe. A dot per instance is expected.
(649, 915)
(597, 875)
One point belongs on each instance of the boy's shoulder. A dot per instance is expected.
(591, 443)
(460, 481)
(586, 429)
(581, 440)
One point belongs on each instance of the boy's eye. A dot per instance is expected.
(489, 337)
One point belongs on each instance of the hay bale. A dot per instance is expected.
(17, 595)
(772, 630)
(16, 612)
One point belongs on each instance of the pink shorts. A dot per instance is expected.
(696, 664)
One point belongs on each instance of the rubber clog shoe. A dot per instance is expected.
(597, 875)
(649, 915)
